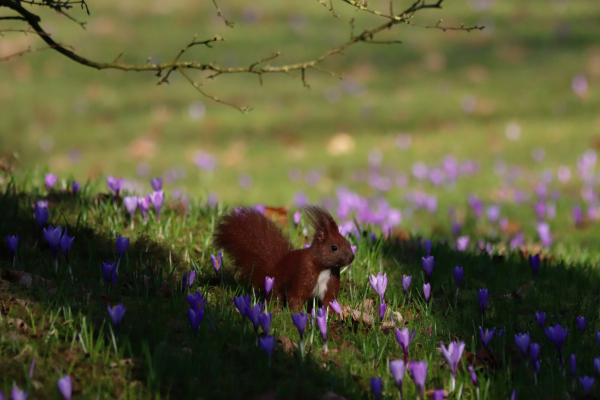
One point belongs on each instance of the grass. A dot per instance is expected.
(154, 353)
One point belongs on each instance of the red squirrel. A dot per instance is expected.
(258, 248)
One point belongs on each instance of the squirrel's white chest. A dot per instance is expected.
(321, 286)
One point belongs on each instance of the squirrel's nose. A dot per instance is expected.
(351, 258)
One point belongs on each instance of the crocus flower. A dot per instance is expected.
(577, 215)
(335, 306)
(196, 301)
(116, 313)
(297, 217)
(260, 208)
(404, 339)
(462, 243)
(53, 237)
(586, 383)
(195, 317)
(382, 308)
(114, 184)
(109, 270)
(557, 335)
(379, 284)
(300, 321)
(267, 343)
(252, 313)
(427, 246)
(406, 280)
(522, 341)
(573, 365)
(50, 180)
(452, 354)
(487, 336)
(268, 282)
(581, 323)
(541, 319)
(157, 198)
(483, 300)
(191, 278)
(12, 242)
(473, 376)
(217, 261)
(75, 187)
(65, 243)
(428, 266)
(418, 371)
(353, 247)
(240, 303)
(534, 261)
(597, 364)
(18, 394)
(131, 203)
(427, 292)
(439, 394)
(493, 212)
(144, 205)
(513, 395)
(376, 386)
(534, 352)
(322, 324)
(456, 228)
(459, 273)
(41, 216)
(156, 184)
(265, 321)
(397, 370)
(65, 387)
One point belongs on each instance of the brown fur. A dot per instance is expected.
(258, 249)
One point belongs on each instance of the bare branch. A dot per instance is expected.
(23, 52)
(12, 18)
(448, 28)
(220, 14)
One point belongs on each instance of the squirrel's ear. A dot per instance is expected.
(320, 236)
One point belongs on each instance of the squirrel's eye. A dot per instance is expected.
(333, 248)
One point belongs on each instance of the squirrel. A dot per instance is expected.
(259, 249)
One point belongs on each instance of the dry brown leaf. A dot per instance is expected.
(358, 316)
(288, 346)
(25, 278)
(430, 392)
(4, 309)
(19, 324)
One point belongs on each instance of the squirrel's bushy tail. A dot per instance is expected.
(253, 242)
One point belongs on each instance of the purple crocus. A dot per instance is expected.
(76, 187)
(406, 280)
(65, 387)
(252, 313)
(131, 204)
(144, 205)
(473, 376)
(240, 303)
(541, 320)
(534, 261)
(41, 216)
(483, 300)
(195, 317)
(453, 354)
(573, 365)
(196, 301)
(109, 270)
(267, 343)
(487, 336)
(522, 341)
(260, 208)
(265, 322)
(376, 386)
(581, 323)
(18, 394)
(122, 244)
(65, 243)
(53, 236)
(462, 243)
(427, 246)
(459, 273)
(427, 292)
(557, 335)
(322, 324)
(418, 371)
(382, 308)
(404, 339)
(493, 212)
(116, 313)
(268, 282)
(157, 198)
(397, 369)
(597, 365)
(335, 306)
(300, 321)
(12, 242)
(114, 184)
(428, 266)
(297, 216)
(217, 261)
(156, 184)
(586, 383)
(50, 180)
(379, 284)
(191, 278)
(534, 352)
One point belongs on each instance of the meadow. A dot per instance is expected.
(483, 142)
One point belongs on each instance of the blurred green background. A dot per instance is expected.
(453, 93)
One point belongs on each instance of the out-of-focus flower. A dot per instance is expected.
(65, 387)
(114, 184)
(376, 386)
(462, 243)
(157, 198)
(76, 187)
(156, 184)
(218, 260)
(428, 263)
(483, 300)
(406, 280)
(300, 321)
(427, 292)
(131, 203)
(116, 313)
(404, 339)
(418, 371)
(50, 180)
(522, 341)
(487, 336)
